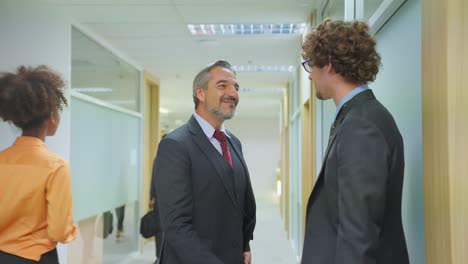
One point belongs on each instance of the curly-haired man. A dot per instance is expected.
(354, 211)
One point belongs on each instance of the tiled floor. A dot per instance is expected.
(148, 256)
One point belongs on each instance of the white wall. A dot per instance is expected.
(398, 87)
(33, 35)
(260, 144)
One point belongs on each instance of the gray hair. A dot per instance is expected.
(202, 78)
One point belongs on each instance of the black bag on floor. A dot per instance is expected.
(108, 220)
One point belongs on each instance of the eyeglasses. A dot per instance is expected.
(307, 67)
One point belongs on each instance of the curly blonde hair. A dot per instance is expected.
(348, 46)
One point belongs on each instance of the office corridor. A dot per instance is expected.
(128, 68)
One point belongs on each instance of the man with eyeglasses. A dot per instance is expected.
(203, 188)
(354, 211)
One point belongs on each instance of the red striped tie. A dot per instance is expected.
(221, 137)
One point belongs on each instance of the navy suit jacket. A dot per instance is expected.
(201, 217)
(354, 211)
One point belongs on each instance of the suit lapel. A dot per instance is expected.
(202, 142)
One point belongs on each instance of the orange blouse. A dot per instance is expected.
(35, 199)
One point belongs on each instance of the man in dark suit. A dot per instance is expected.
(153, 205)
(354, 211)
(203, 187)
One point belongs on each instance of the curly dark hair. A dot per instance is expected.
(29, 96)
(348, 46)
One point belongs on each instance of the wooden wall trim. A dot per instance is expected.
(457, 84)
(307, 176)
(435, 133)
(150, 137)
(444, 96)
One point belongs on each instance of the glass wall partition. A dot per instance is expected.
(334, 9)
(98, 73)
(105, 152)
(376, 12)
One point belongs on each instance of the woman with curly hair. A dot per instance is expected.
(35, 184)
(354, 211)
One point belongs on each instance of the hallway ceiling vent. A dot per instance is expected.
(245, 29)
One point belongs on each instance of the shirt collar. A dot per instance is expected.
(206, 127)
(31, 141)
(348, 97)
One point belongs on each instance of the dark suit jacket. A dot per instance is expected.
(354, 211)
(199, 198)
(157, 218)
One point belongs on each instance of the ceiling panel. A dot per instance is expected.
(244, 2)
(140, 31)
(241, 50)
(122, 13)
(251, 13)
(109, 2)
(153, 33)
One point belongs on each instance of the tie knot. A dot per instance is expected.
(220, 136)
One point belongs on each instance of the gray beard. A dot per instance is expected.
(221, 115)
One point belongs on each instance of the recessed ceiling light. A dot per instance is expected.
(245, 29)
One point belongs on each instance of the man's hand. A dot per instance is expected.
(247, 257)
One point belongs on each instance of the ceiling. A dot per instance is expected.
(154, 34)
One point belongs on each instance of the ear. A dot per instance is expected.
(200, 92)
(329, 68)
(53, 123)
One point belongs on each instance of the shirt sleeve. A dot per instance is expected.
(60, 225)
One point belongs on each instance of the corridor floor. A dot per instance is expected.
(270, 245)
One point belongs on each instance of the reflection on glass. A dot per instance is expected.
(369, 6)
(376, 12)
(334, 9)
(120, 233)
(98, 73)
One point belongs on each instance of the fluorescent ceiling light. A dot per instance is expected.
(93, 89)
(163, 110)
(263, 68)
(245, 29)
